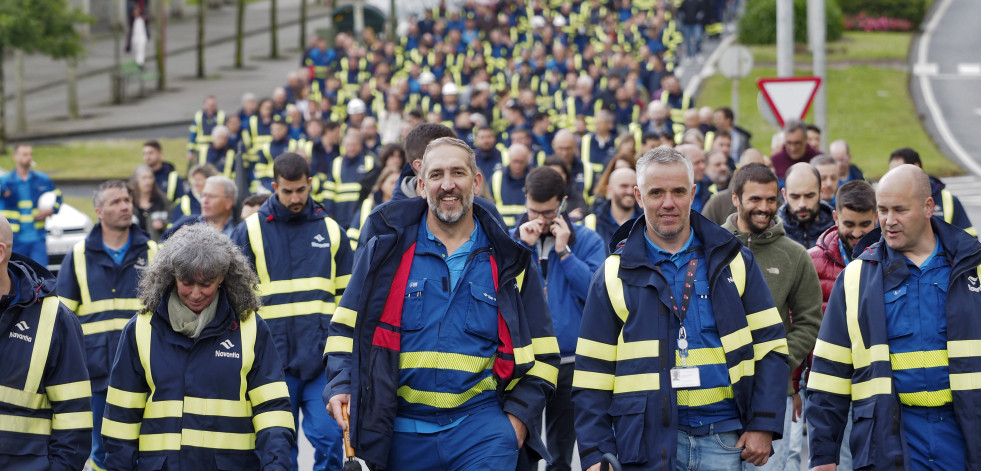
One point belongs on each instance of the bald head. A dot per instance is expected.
(909, 177)
(751, 156)
(697, 158)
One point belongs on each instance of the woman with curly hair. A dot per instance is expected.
(197, 383)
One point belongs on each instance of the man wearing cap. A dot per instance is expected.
(451, 103)
(356, 110)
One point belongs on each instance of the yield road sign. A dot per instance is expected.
(789, 97)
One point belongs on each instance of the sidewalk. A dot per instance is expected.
(47, 93)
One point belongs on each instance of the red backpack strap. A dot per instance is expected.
(388, 332)
(504, 363)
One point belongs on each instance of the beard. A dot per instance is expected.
(748, 217)
(450, 217)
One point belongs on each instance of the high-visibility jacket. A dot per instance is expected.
(853, 364)
(257, 134)
(354, 230)
(304, 263)
(201, 127)
(169, 181)
(103, 295)
(217, 402)
(187, 205)
(221, 159)
(509, 195)
(524, 377)
(678, 104)
(597, 155)
(345, 182)
(262, 170)
(601, 220)
(627, 347)
(45, 396)
(18, 211)
(949, 207)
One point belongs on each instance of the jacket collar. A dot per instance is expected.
(772, 234)
(828, 244)
(273, 210)
(35, 281)
(963, 250)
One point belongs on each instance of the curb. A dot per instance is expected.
(30, 137)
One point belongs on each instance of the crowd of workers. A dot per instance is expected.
(512, 214)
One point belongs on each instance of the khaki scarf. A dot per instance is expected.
(184, 321)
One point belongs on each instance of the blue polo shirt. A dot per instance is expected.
(710, 407)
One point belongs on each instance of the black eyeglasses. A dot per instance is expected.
(549, 214)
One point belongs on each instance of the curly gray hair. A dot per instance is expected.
(199, 252)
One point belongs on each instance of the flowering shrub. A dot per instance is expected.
(863, 22)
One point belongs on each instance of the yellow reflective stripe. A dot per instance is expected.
(832, 352)
(496, 179)
(160, 441)
(912, 360)
(524, 355)
(273, 418)
(738, 269)
(861, 356)
(25, 399)
(296, 285)
(346, 197)
(42, 343)
(965, 381)
(334, 234)
(737, 339)
(161, 409)
(216, 407)
(544, 371)
(25, 204)
(511, 209)
(444, 361)
(120, 430)
(341, 281)
(638, 382)
(702, 356)
(947, 200)
(21, 424)
(151, 251)
(614, 287)
(638, 349)
(268, 392)
(760, 350)
(742, 369)
(544, 345)
(113, 304)
(71, 420)
(444, 400)
(338, 344)
(520, 280)
(255, 240)
(963, 348)
(345, 316)
(703, 397)
(172, 185)
(107, 325)
(81, 273)
(300, 308)
(872, 387)
(71, 304)
(248, 335)
(592, 380)
(829, 383)
(763, 319)
(126, 399)
(69, 391)
(143, 347)
(927, 398)
(597, 350)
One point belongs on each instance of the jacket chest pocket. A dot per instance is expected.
(412, 305)
(898, 323)
(703, 307)
(938, 295)
(482, 313)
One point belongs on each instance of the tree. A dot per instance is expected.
(37, 27)
(201, 9)
(273, 32)
(239, 27)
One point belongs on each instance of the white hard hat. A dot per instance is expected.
(450, 88)
(558, 22)
(426, 78)
(356, 106)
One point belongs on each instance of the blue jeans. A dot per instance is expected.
(712, 452)
(483, 440)
(691, 33)
(319, 428)
(37, 250)
(98, 455)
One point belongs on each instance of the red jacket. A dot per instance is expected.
(827, 260)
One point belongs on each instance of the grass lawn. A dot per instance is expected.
(100, 159)
(853, 46)
(869, 106)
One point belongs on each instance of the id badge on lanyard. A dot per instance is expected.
(684, 376)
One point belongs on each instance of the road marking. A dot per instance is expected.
(969, 69)
(925, 69)
(931, 102)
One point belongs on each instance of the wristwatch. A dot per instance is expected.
(565, 252)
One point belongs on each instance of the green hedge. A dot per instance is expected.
(912, 10)
(759, 24)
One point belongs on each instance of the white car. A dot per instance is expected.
(65, 228)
